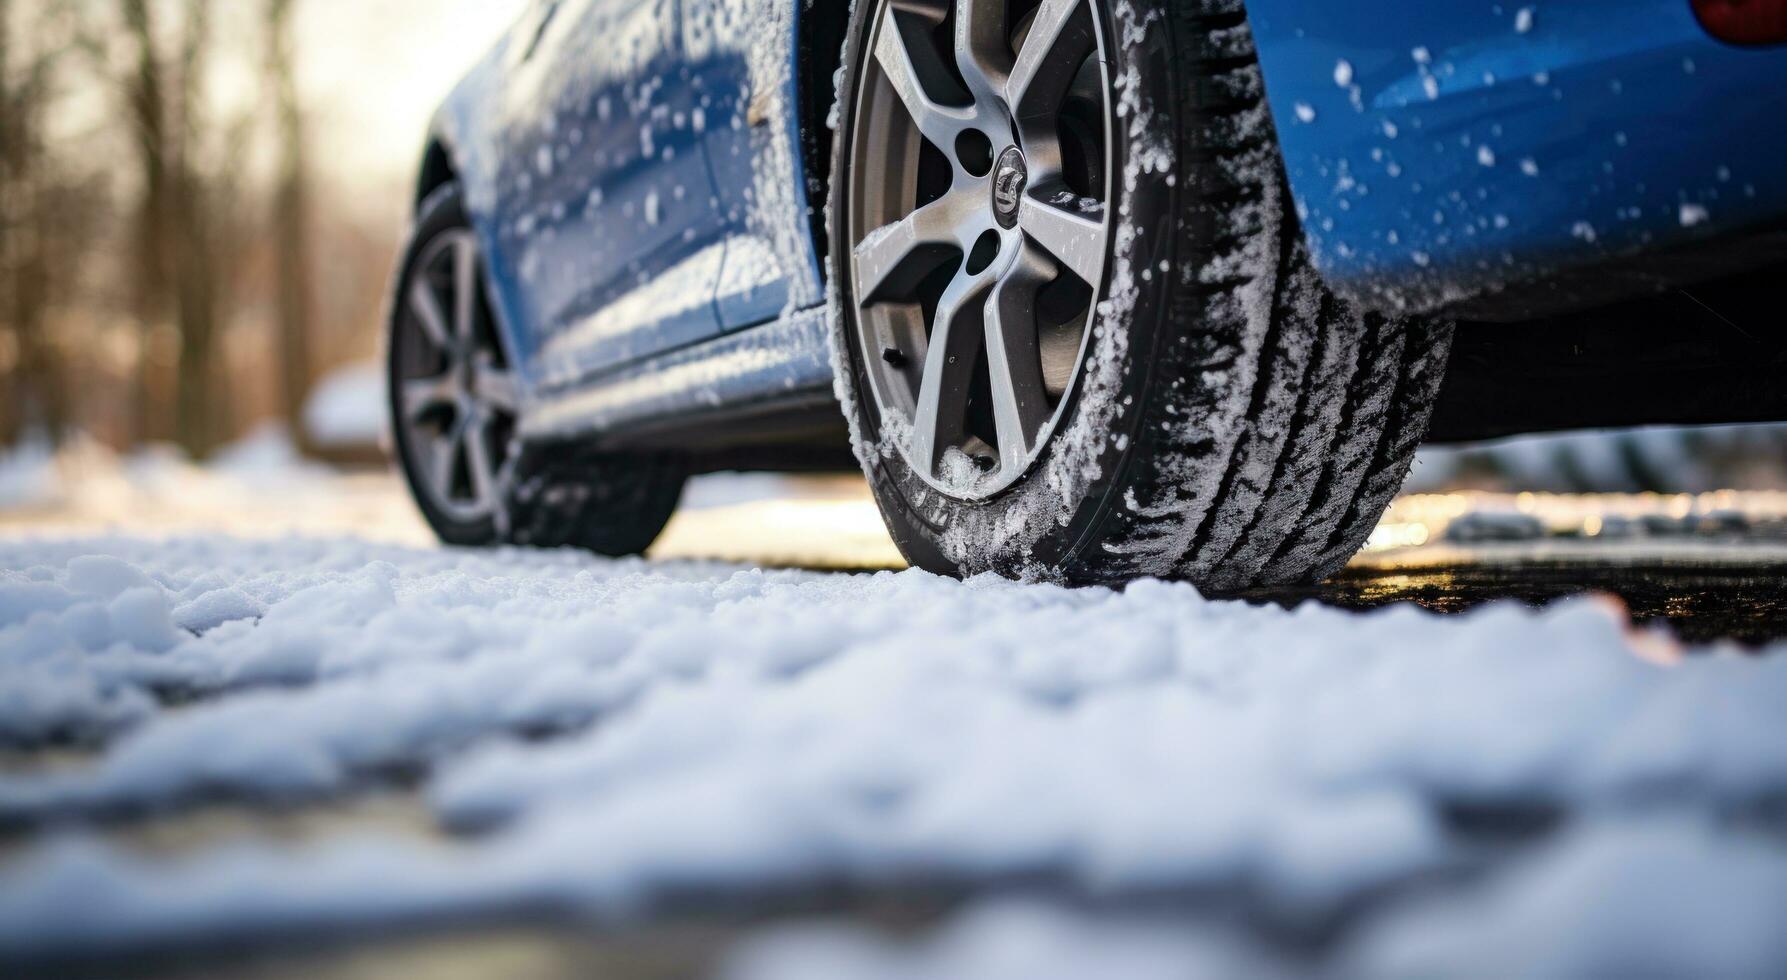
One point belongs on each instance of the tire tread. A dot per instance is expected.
(1292, 502)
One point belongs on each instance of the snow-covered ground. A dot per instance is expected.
(347, 407)
(257, 487)
(599, 736)
(1136, 783)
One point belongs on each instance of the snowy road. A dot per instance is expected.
(217, 742)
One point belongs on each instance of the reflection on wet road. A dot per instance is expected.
(1700, 603)
(1711, 566)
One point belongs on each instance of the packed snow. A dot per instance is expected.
(598, 736)
(347, 408)
(27, 474)
(258, 486)
(1526, 792)
(1008, 939)
(1549, 916)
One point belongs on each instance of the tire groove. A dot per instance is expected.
(1261, 395)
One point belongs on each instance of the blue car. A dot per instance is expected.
(1103, 288)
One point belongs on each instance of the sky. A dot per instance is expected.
(373, 72)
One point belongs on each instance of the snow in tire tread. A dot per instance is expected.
(1338, 400)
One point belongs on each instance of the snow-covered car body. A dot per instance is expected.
(1445, 151)
(646, 181)
(634, 173)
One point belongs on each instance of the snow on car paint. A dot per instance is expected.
(727, 730)
(1603, 95)
(776, 245)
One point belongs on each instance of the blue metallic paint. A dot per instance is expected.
(614, 204)
(1454, 153)
(1607, 127)
(745, 296)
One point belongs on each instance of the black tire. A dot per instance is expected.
(611, 505)
(1235, 424)
(549, 496)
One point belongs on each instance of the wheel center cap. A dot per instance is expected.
(1009, 177)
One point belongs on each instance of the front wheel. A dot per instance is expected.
(1078, 336)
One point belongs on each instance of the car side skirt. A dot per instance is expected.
(772, 383)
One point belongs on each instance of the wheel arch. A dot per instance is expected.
(820, 32)
(443, 166)
(436, 172)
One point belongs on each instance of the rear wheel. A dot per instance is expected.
(453, 399)
(1078, 336)
(455, 402)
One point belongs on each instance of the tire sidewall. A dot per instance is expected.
(1047, 524)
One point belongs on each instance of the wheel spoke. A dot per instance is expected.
(465, 290)
(1014, 359)
(427, 308)
(478, 462)
(448, 416)
(941, 414)
(445, 462)
(1070, 231)
(983, 53)
(422, 395)
(893, 258)
(944, 75)
(1060, 38)
(939, 123)
(496, 388)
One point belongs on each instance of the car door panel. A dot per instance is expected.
(607, 211)
(745, 51)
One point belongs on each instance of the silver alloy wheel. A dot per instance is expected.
(456, 395)
(976, 209)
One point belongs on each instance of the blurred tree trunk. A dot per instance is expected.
(12, 407)
(38, 395)
(198, 405)
(147, 108)
(183, 260)
(291, 230)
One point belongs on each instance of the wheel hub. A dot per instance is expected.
(977, 220)
(1010, 176)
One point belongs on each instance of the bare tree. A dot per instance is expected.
(147, 110)
(290, 223)
(183, 253)
(35, 232)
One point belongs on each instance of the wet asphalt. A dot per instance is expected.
(1708, 569)
(1701, 601)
